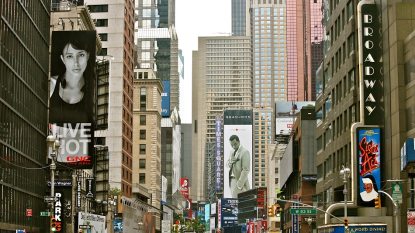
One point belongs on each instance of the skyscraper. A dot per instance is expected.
(222, 79)
(117, 32)
(240, 17)
(24, 67)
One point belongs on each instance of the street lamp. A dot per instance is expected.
(345, 172)
(309, 220)
(53, 145)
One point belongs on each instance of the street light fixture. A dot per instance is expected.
(345, 172)
(53, 146)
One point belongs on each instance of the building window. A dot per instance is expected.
(143, 134)
(142, 178)
(142, 163)
(103, 36)
(101, 23)
(103, 52)
(143, 98)
(98, 8)
(143, 120)
(142, 149)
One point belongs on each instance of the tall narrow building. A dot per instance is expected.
(240, 17)
(24, 68)
(222, 79)
(114, 21)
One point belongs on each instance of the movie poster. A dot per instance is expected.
(369, 165)
(72, 96)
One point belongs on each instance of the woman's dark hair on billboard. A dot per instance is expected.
(72, 81)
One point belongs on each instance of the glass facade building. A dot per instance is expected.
(24, 67)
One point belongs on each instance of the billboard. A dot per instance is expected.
(95, 222)
(218, 154)
(285, 115)
(184, 187)
(370, 64)
(407, 153)
(165, 99)
(72, 93)
(237, 136)
(369, 161)
(229, 212)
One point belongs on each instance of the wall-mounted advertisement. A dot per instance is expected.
(219, 154)
(72, 110)
(286, 113)
(370, 63)
(165, 99)
(229, 212)
(91, 222)
(369, 164)
(184, 187)
(237, 152)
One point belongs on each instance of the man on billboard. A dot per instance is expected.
(239, 167)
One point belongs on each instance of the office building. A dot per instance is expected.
(116, 31)
(157, 43)
(24, 65)
(146, 134)
(222, 79)
(240, 17)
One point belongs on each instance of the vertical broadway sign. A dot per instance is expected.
(370, 63)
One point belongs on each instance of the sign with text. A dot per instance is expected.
(303, 211)
(410, 217)
(370, 60)
(72, 110)
(369, 157)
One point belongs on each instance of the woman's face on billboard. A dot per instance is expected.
(75, 60)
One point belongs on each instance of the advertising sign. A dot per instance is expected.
(358, 228)
(165, 99)
(407, 152)
(207, 216)
(96, 222)
(370, 56)
(410, 215)
(90, 183)
(56, 221)
(369, 160)
(219, 154)
(229, 212)
(184, 187)
(219, 213)
(72, 110)
(237, 152)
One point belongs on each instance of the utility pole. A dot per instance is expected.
(345, 172)
(53, 144)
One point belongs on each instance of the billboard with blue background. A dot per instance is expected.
(355, 228)
(369, 164)
(165, 99)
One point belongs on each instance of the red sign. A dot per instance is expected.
(184, 187)
(28, 212)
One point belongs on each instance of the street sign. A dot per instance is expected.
(397, 192)
(84, 226)
(45, 213)
(29, 213)
(303, 211)
(49, 199)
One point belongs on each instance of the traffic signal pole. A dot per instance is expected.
(395, 211)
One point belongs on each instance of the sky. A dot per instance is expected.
(196, 18)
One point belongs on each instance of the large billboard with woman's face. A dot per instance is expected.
(72, 94)
(237, 152)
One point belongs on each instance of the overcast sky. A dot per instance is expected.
(196, 18)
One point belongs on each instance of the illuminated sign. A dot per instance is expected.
(56, 221)
(369, 161)
(370, 56)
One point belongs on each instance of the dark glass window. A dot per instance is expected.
(142, 149)
(103, 52)
(98, 8)
(142, 163)
(101, 23)
(143, 120)
(142, 178)
(143, 134)
(103, 36)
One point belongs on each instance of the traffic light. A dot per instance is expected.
(346, 223)
(377, 203)
(278, 209)
(271, 211)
